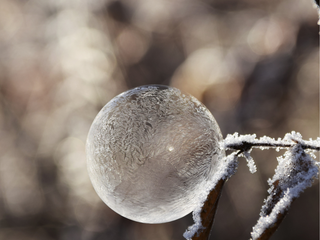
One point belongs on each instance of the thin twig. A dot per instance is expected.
(246, 146)
(246, 142)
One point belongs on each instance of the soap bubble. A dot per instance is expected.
(151, 151)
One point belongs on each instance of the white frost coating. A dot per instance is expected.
(297, 137)
(225, 170)
(250, 162)
(235, 139)
(265, 221)
(232, 142)
(291, 187)
(295, 172)
(267, 142)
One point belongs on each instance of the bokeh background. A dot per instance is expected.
(253, 63)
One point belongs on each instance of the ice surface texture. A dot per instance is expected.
(151, 151)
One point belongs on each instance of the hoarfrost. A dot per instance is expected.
(225, 170)
(251, 164)
(235, 139)
(295, 172)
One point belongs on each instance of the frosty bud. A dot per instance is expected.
(151, 151)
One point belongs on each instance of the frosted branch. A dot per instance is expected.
(203, 214)
(244, 143)
(296, 171)
(250, 162)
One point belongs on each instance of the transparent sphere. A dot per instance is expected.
(151, 151)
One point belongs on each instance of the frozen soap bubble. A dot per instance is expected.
(151, 151)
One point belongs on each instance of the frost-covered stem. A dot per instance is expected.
(269, 231)
(275, 197)
(203, 214)
(245, 143)
(295, 172)
(245, 146)
(208, 212)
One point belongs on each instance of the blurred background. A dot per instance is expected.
(254, 64)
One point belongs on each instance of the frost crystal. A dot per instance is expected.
(295, 172)
(251, 164)
(225, 170)
(235, 139)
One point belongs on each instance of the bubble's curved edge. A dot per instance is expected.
(154, 221)
(158, 86)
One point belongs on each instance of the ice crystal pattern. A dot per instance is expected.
(151, 151)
